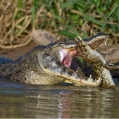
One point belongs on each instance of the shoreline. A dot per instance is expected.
(16, 52)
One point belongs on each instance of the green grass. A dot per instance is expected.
(80, 17)
(85, 17)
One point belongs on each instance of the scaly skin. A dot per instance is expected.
(42, 66)
(99, 65)
(96, 40)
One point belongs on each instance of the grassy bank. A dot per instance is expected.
(87, 17)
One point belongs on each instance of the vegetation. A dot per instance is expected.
(66, 17)
(85, 16)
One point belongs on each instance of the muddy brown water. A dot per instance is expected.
(19, 100)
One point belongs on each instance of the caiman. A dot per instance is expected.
(49, 65)
(46, 65)
(99, 66)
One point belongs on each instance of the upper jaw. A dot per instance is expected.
(67, 44)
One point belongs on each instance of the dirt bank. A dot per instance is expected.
(15, 53)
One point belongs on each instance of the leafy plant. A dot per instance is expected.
(87, 17)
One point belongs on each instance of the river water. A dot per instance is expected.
(29, 101)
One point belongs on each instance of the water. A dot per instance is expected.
(30, 101)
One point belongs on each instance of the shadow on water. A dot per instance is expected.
(29, 101)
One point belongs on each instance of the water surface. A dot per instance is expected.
(30, 101)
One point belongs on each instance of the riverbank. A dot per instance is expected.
(15, 53)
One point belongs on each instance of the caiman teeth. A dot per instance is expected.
(90, 76)
(106, 41)
(79, 38)
(106, 38)
(70, 46)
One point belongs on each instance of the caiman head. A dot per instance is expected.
(55, 60)
(96, 40)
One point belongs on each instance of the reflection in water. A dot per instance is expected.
(76, 103)
(21, 101)
(90, 103)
